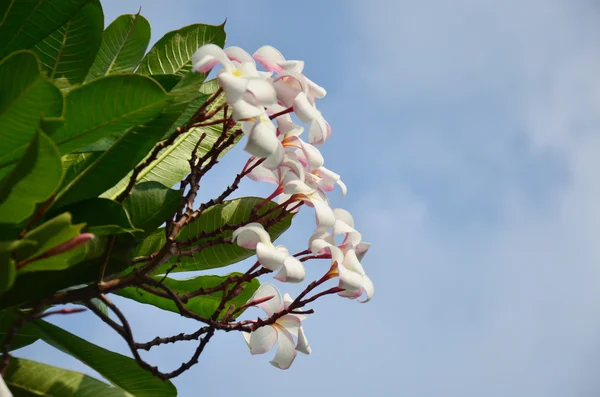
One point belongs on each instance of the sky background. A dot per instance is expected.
(468, 135)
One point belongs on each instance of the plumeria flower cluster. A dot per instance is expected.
(264, 102)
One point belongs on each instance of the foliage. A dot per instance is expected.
(103, 144)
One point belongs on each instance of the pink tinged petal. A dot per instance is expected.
(324, 215)
(263, 91)
(361, 249)
(369, 289)
(287, 300)
(250, 235)
(238, 54)
(207, 56)
(320, 240)
(242, 110)
(294, 66)
(290, 322)
(273, 305)
(269, 57)
(234, 87)
(350, 281)
(248, 69)
(352, 263)
(270, 257)
(262, 174)
(315, 90)
(288, 85)
(337, 255)
(344, 216)
(304, 109)
(329, 177)
(313, 156)
(286, 352)
(294, 166)
(262, 141)
(319, 131)
(292, 271)
(262, 340)
(302, 346)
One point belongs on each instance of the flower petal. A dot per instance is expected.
(238, 54)
(269, 57)
(263, 91)
(262, 340)
(270, 257)
(262, 140)
(302, 346)
(361, 249)
(352, 263)
(315, 90)
(324, 215)
(319, 131)
(305, 110)
(292, 271)
(234, 87)
(250, 235)
(262, 174)
(349, 280)
(286, 352)
(242, 110)
(274, 304)
(344, 216)
(209, 55)
(289, 322)
(369, 289)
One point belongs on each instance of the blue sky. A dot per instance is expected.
(467, 133)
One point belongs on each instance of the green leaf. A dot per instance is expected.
(75, 163)
(124, 43)
(167, 81)
(119, 370)
(24, 23)
(231, 212)
(26, 378)
(111, 166)
(172, 54)
(204, 305)
(69, 51)
(26, 95)
(8, 266)
(50, 234)
(150, 204)
(34, 180)
(107, 106)
(29, 287)
(101, 216)
(25, 335)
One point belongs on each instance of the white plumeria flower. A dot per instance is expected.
(282, 331)
(262, 136)
(246, 89)
(296, 90)
(346, 257)
(276, 258)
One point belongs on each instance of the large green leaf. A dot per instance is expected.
(29, 287)
(204, 305)
(35, 178)
(26, 378)
(75, 163)
(231, 212)
(107, 106)
(150, 204)
(124, 43)
(25, 335)
(26, 95)
(111, 166)
(120, 370)
(69, 51)
(50, 234)
(172, 54)
(101, 216)
(23, 23)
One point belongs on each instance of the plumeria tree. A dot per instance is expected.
(103, 149)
